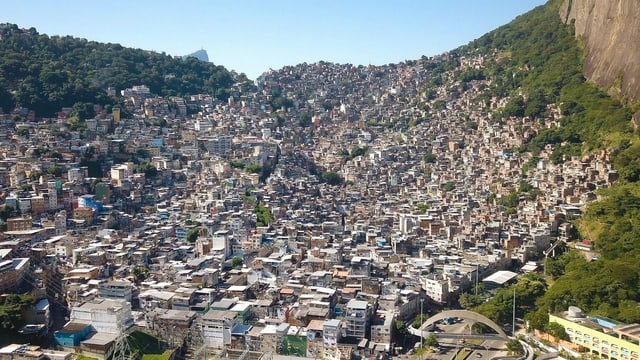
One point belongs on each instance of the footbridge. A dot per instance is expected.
(470, 316)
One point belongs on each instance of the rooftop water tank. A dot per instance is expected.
(575, 312)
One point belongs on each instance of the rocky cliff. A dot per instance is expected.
(200, 55)
(611, 33)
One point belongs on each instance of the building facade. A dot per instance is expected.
(601, 336)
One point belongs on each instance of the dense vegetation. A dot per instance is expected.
(539, 66)
(148, 347)
(12, 308)
(539, 58)
(46, 73)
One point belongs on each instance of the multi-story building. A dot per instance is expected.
(600, 336)
(217, 326)
(52, 192)
(19, 224)
(75, 175)
(37, 204)
(357, 318)
(331, 333)
(104, 315)
(381, 327)
(219, 145)
(60, 222)
(437, 288)
(222, 242)
(12, 272)
(115, 290)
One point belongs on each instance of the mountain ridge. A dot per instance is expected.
(45, 73)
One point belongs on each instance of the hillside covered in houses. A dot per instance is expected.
(318, 210)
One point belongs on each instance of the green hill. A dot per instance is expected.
(45, 73)
(537, 63)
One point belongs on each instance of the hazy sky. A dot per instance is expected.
(252, 36)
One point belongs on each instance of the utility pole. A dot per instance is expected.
(477, 269)
(421, 320)
(513, 324)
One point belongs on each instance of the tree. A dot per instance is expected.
(429, 157)
(12, 310)
(432, 341)
(149, 170)
(514, 347)
(557, 330)
(332, 178)
(529, 288)
(35, 175)
(357, 151)
(46, 73)
(401, 332)
(237, 164)
(537, 319)
(192, 234)
(422, 208)
(253, 168)
(83, 111)
(305, 120)
(237, 261)
(469, 301)
(24, 132)
(263, 215)
(419, 320)
(448, 186)
(6, 212)
(140, 273)
(515, 107)
(55, 171)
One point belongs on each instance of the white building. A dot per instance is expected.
(357, 318)
(105, 315)
(60, 222)
(115, 290)
(217, 326)
(221, 242)
(218, 145)
(331, 332)
(437, 288)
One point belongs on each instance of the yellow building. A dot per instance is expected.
(116, 114)
(600, 336)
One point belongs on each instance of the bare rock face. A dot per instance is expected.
(611, 33)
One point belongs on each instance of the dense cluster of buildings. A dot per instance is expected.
(171, 236)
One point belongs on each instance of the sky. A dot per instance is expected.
(253, 36)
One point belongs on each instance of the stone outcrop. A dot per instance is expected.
(611, 33)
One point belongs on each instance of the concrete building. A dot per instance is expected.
(116, 290)
(104, 315)
(217, 326)
(357, 318)
(599, 336)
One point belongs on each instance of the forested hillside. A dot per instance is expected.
(539, 66)
(45, 73)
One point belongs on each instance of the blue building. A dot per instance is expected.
(72, 334)
(90, 201)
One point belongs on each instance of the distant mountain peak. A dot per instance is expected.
(200, 55)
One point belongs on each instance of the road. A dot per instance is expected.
(455, 337)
